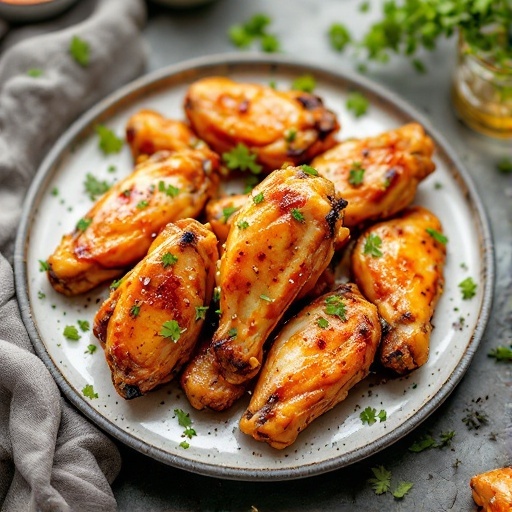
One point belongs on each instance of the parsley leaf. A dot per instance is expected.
(258, 198)
(84, 325)
(142, 204)
(270, 43)
(339, 36)
(402, 489)
(382, 481)
(356, 175)
(95, 187)
(468, 288)
(322, 323)
(171, 329)
(369, 415)
(35, 72)
(201, 312)
(83, 224)
(108, 141)
(505, 165)
(184, 444)
(266, 298)
(169, 190)
(239, 36)
(71, 333)
(233, 333)
(240, 157)
(298, 215)
(41, 295)
(474, 419)
(357, 103)
(114, 285)
(372, 246)
(383, 415)
(44, 266)
(91, 349)
(305, 83)
(80, 51)
(227, 212)
(183, 418)
(309, 170)
(169, 259)
(336, 307)
(243, 224)
(437, 236)
(423, 443)
(88, 391)
(256, 25)
(501, 353)
(446, 438)
(135, 310)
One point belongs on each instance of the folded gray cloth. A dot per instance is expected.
(51, 458)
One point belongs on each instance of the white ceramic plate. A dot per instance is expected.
(148, 424)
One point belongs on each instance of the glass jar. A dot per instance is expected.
(482, 93)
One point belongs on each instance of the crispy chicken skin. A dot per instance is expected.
(205, 386)
(282, 240)
(165, 288)
(492, 491)
(404, 282)
(220, 213)
(120, 227)
(394, 163)
(314, 361)
(278, 126)
(148, 132)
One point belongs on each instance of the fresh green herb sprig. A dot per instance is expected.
(381, 483)
(501, 354)
(244, 35)
(95, 187)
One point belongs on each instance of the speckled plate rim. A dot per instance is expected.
(223, 64)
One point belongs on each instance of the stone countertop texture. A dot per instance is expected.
(440, 477)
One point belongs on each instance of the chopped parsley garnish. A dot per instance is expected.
(289, 135)
(111, 168)
(364, 7)
(71, 333)
(88, 391)
(185, 421)
(35, 72)
(84, 325)
(44, 266)
(309, 170)
(41, 295)
(108, 141)
(116, 283)
(233, 333)
(266, 298)
(227, 212)
(423, 443)
(437, 236)
(446, 438)
(270, 43)
(356, 175)
(468, 288)
(381, 482)
(334, 306)
(474, 419)
(135, 310)
(243, 224)
(94, 187)
(216, 294)
(171, 329)
(254, 29)
(258, 198)
(80, 51)
(298, 215)
(241, 158)
(169, 190)
(372, 246)
(201, 312)
(402, 489)
(142, 204)
(501, 353)
(55, 191)
(305, 83)
(339, 36)
(322, 322)
(184, 445)
(239, 36)
(370, 415)
(505, 165)
(91, 349)
(357, 103)
(169, 259)
(83, 224)
(250, 183)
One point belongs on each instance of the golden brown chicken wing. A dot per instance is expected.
(398, 265)
(220, 213)
(150, 323)
(378, 176)
(120, 227)
(278, 126)
(317, 357)
(283, 240)
(148, 131)
(493, 490)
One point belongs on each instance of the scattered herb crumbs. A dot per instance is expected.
(169, 259)
(381, 482)
(84, 325)
(201, 312)
(437, 236)
(184, 444)
(501, 353)
(266, 298)
(115, 284)
(468, 288)
(83, 224)
(232, 333)
(227, 212)
(309, 170)
(71, 333)
(41, 295)
(356, 175)
(372, 246)
(505, 165)
(55, 191)
(142, 204)
(423, 443)
(339, 36)
(88, 391)
(402, 489)
(298, 215)
(418, 65)
(171, 329)
(258, 198)
(111, 168)
(290, 135)
(474, 419)
(80, 51)
(438, 185)
(446, 439)
(322, 323)
(304, 83)
(241, 158)
(91, 349)
(357, 103)
(44, 266)
(243, 224)
(94, 187)
(364, 7)
(335, 306)
(169, 190)
(108, 141)
(135, 310)
(35, 72)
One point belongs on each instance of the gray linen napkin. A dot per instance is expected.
(51, 458)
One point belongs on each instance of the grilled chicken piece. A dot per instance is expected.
(317, 357)
(283, 240)
(398, 265)
(204, 385)
(378, 176)
(117, 232)
(278, 126)
(493, 490)
(148, 131)
(149, 324)
(220, 213)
